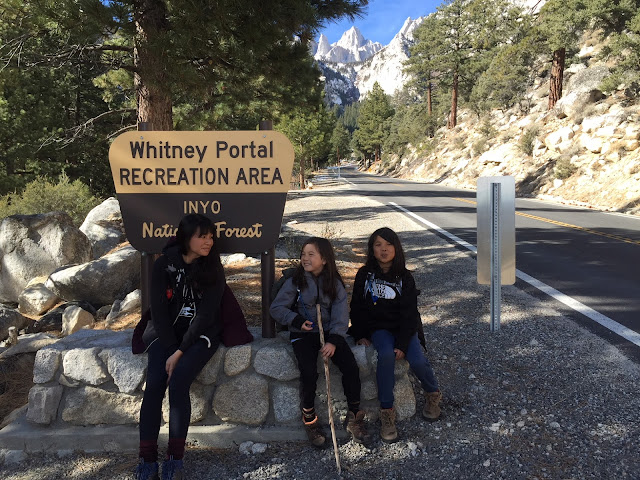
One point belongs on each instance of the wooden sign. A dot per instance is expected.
(239, 179)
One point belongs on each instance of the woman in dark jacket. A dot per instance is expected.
(384, 312)
(186, 290)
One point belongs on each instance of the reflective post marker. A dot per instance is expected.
(496, 238)
(496, 256)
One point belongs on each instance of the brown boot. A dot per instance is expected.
(314, 432)
(355, 426)
(431, 409)
(388, 431)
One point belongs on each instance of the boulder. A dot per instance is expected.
(285, 400)
(103, 227)
(36, 299)
(100, 281)
(11, 318)
(587, 79)
(29, 343)
(128, 370)
(583, 88)
(43, 403)
(52, 320)
(554, 139)
(276, 363)
(46, 365)
(237, 360)
(36, 245)
(502, 153)
(83, 365)
(131, 302)
(94, 406)
(244, 399)
(74, 318)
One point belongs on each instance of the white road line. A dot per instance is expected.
(610, 324)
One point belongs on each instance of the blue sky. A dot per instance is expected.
(382, 19)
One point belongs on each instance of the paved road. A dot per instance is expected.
(591, 256)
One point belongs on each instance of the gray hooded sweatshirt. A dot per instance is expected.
(335, 315)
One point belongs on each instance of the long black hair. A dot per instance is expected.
(329, 273)
(398, 266)
(203, 268)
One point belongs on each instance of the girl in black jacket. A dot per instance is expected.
(384, 311)
(184, 332)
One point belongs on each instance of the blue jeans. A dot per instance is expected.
(384, 341)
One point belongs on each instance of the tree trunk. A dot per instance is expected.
(429, 108)
(453, 119)
(301, 172)
(152, 88)
(377, 154)
(557, 74)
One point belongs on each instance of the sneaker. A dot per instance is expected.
(314, 432)
(431, 410)
(147, 470)
(388, 431)
(355, 426)
(172, 469)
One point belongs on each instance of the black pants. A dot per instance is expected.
(187, 369)
(306, 347)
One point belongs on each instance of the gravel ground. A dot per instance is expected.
(542, 398)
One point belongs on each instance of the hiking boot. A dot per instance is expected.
(355, 426)
(388, 431)
(431, 409)
(314, 432)
(147, 470)
(172, 469)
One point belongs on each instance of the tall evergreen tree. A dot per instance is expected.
(340, 141)
(310, 134)
(458, 42)
(373, 127)
(558, 29)
(220, 62)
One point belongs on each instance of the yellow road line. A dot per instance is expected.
(568, 225)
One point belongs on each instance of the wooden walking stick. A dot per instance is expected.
(326, 376)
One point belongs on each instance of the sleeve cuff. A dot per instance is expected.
(297, 322)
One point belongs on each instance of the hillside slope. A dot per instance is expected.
(585, 151)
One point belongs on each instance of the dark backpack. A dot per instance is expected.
(287, 273)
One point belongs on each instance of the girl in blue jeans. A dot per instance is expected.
(384, 311)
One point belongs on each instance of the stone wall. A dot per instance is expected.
(92, 378)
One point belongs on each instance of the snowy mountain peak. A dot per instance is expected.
(352, 39)
(323, 46)
(352, 47)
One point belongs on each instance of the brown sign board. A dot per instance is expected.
(239, 179)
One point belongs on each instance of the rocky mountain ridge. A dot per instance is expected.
(353, 64)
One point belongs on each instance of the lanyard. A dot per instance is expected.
(370, 282)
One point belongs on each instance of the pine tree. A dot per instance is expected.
(310, 135)
(340, 140)
(559, 26)
(457, 43)
(373, 127)
(211, 64)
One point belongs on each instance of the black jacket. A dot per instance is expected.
(384, 302)
(171, 288)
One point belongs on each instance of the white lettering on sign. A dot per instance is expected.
(200, 206)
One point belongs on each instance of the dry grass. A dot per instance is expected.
(16, 374)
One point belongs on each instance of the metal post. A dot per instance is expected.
(146, 260)
(495, 257)
(268, 274)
